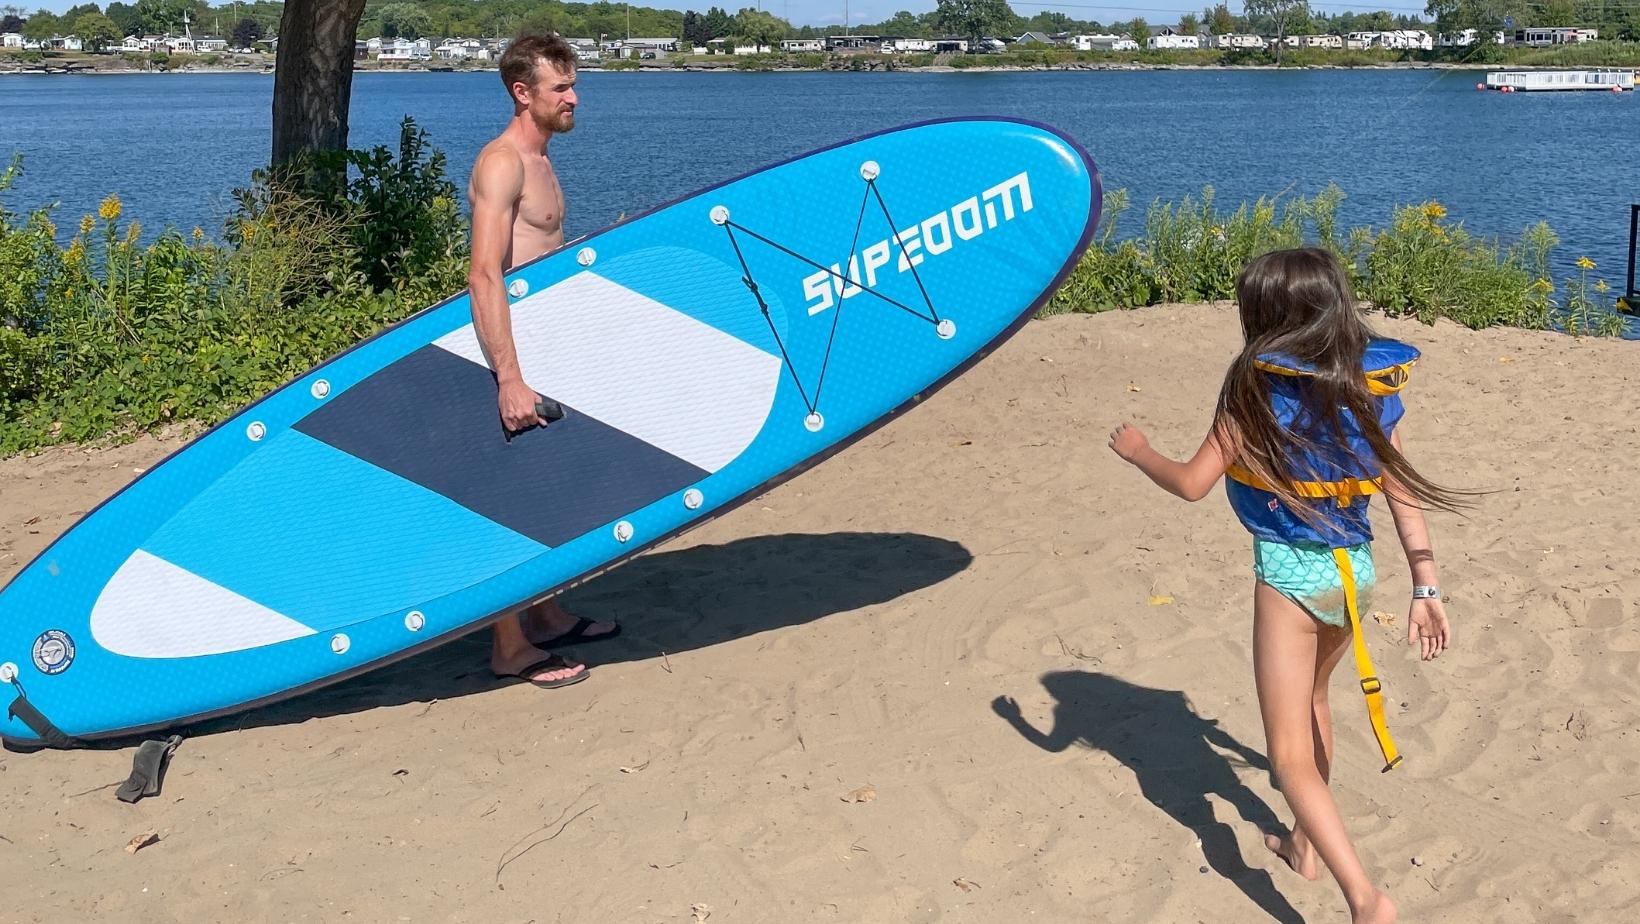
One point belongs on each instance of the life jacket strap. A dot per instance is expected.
(1381, 382)
(1386, 382)
(1370, 685)
(1345, 490)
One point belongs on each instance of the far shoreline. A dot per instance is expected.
(648, 68)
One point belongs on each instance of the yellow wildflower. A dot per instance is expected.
(199, 234)
(75, 252)
(133, 232)
(1543, 285)
(86, 224)
(1600, 285)
(110, 208)
(1433, 211)
(1585, 263)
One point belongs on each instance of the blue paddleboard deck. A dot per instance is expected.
(702, 353)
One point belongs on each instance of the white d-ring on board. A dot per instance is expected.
(720, 215)
(946, 329)
(870, 171)
(413, 620)
(585, 256)
(814, 422)
(256, 430)
(517, 288)
(692, 498)
(8, 672)
(339, 643)
(320, 389)
(623, 531)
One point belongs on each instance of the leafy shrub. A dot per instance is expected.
(106, 335)
(1422, 265)
(1427, 267)
(402, 213)
(1588, 308)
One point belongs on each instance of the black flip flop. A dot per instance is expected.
(578, 633)
(549, 663)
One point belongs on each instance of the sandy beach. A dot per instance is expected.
(807, 718)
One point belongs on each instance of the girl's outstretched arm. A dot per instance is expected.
(1426, 620)
(1189, 480)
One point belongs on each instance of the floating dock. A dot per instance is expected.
(1609, 79)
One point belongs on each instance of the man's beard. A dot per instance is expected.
(559, 122)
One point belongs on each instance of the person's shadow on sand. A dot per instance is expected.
(667, 602)
(1159, 736)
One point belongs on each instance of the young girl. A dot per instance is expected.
(1305, 430)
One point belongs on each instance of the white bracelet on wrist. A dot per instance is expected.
(1425, 592)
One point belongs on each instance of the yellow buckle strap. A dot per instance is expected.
(1345, 491)
(1385, 382)
(1370, 684)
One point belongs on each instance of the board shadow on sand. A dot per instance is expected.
(1175, 755)
(670, 602)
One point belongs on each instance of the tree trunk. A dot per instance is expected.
(313, 80)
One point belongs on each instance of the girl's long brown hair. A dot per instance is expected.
(1298, 303)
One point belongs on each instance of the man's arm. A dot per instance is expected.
(498, 183)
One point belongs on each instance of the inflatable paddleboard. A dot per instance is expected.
(694, 357)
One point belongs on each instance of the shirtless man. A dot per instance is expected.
(518, 215)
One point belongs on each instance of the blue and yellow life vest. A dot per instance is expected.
(1345, 480)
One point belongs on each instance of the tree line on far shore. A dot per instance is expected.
(243, 23)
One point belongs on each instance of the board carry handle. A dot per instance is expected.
(545, 408)
(23, 711)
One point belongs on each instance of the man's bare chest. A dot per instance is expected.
(542, 203)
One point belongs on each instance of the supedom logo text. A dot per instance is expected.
(931, 237)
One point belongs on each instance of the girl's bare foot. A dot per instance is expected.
(1376, 910)
(1297, 851)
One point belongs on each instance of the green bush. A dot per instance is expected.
(1588, 308)
(1421, 265)
(402, 213)
(1426, 267)
(109, 336)
(1188, 252)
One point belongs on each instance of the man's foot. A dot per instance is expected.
(1296, 851)
(546, 625)
(1376, 910)
(540, 668)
